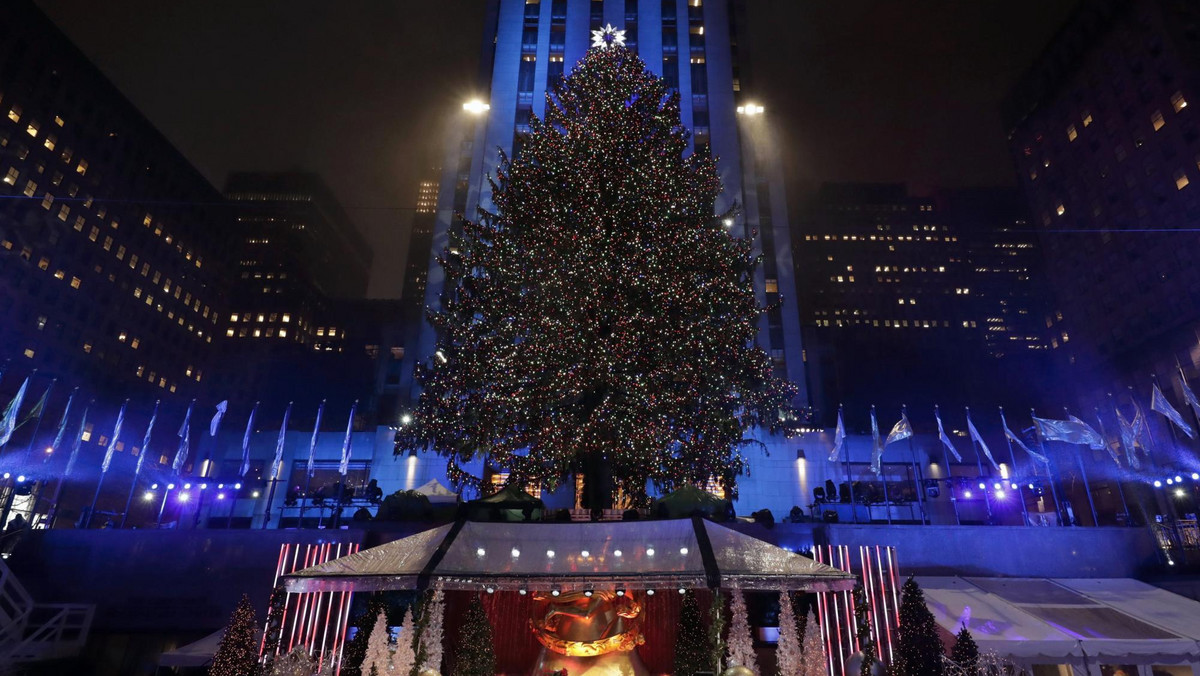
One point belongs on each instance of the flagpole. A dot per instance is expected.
(949, 481)
(1174, 442)
(849, 479)
(1170, 504)
(1049, 472)
(1087, 488)
(66, 470)
(138, 468)
(916, 469)
(979, 465)
(104, 473)
(37, 426)
(1120, 488)
(1020, 489)
(887, 502)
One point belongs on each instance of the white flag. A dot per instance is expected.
(78, 443)
(1021, 444)
(312, 445)
(877, 445)
(8, 424)
(277, 463)
(1159, 403)
(112, 443)
(246, 442)
(146, 441)
(1131, 434)
(216, 419)
(1189, 395)
(900, 431)
(945, 439)
(185, 439)
(978, 439)
(345, 464)
(62, 423)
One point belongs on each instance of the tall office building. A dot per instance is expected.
(1106, 143)
(916, 300)
(111, 244)
(693, 44)
(416, 270)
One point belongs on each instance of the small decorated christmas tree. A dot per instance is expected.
(691, 645)
(815, 660)
(274, 628)
(356, 648)
(431, 637)
(237, 654)
(965, 654)
(740, 643)
(476, 656)
(919, 649)
(787, 651)
(378, 660)
(862, 625)
(404, 660)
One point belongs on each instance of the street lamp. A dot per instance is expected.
(750, 109)
(476, 107)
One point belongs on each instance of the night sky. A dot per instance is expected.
(356, 90)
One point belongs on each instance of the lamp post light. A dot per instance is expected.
(750, 109)
(476, 107)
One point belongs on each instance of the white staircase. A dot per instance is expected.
(38, 631)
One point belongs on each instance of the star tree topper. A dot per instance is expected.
(608, 37)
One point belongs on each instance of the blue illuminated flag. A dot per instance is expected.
(277, 463)
(185, 439)
(945, 439)
(344, 466)
(839, 438)
(8, 424)
(246, 442)
(112, 443)
(312, 445)
(978, 439)
(1159, 403)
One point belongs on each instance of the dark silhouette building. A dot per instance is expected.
(915, 300)
(112, 246)
(1106, 143)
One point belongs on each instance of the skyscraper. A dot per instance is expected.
(1104, 137)
(693, 44)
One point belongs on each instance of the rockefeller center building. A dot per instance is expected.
(112, 245)
(1104, 136)
(529, 45)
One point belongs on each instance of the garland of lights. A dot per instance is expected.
(603, 310)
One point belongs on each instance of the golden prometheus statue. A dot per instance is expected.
(588, 635)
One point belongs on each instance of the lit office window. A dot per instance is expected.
(1157, 120)
(1178, 102)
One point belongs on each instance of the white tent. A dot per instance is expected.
(540, 556)
(436, 492)
(1082, 623)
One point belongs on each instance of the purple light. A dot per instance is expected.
(1001, 494)
(982, 486)
(183, 497)
(220, 496)
(967, 494)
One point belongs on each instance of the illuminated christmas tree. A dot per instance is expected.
(919, 649)
(604, 309)
(404, 660)
(355, 650)
(716, 632)
(432, 618)
(476, 655)
(788, 656)
(862, 626)
(965, 654)
(740, 643)
(816, 662)
(237, 654)
(378, 660)
(692, 649)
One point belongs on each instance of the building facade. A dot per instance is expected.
(112, 246)
(1104, 136)
(916, 300)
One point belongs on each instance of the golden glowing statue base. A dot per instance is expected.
(592, 634)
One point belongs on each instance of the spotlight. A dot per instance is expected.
(20, 478)
(996, 487)
(728, 222)
(650, 551)
(49, 450)
(183, 497)
(1030, 486)
(220, 485)
(1195, 476)
(170, 487)
(220, 496)
(255, 494)
(148, 496)
(1178, 479)
(480, 551)
(967, 494)
(1169, 481)
(1179, 493)
(1157, 483)
(617, 553)
(1001, 494)
(585, 554)
(203, 486)
(620, 592)
(186, 486)
(1014, 486)
(7, 475)
(522, 591)
(153, 487)
(588, 593)
(549, 553)
(515, 552)
(238, 486)
(682, 590)
(982, 486)
(491, 589)
(555, 591)
(649, 592)
(405, 419)
(683, 551)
